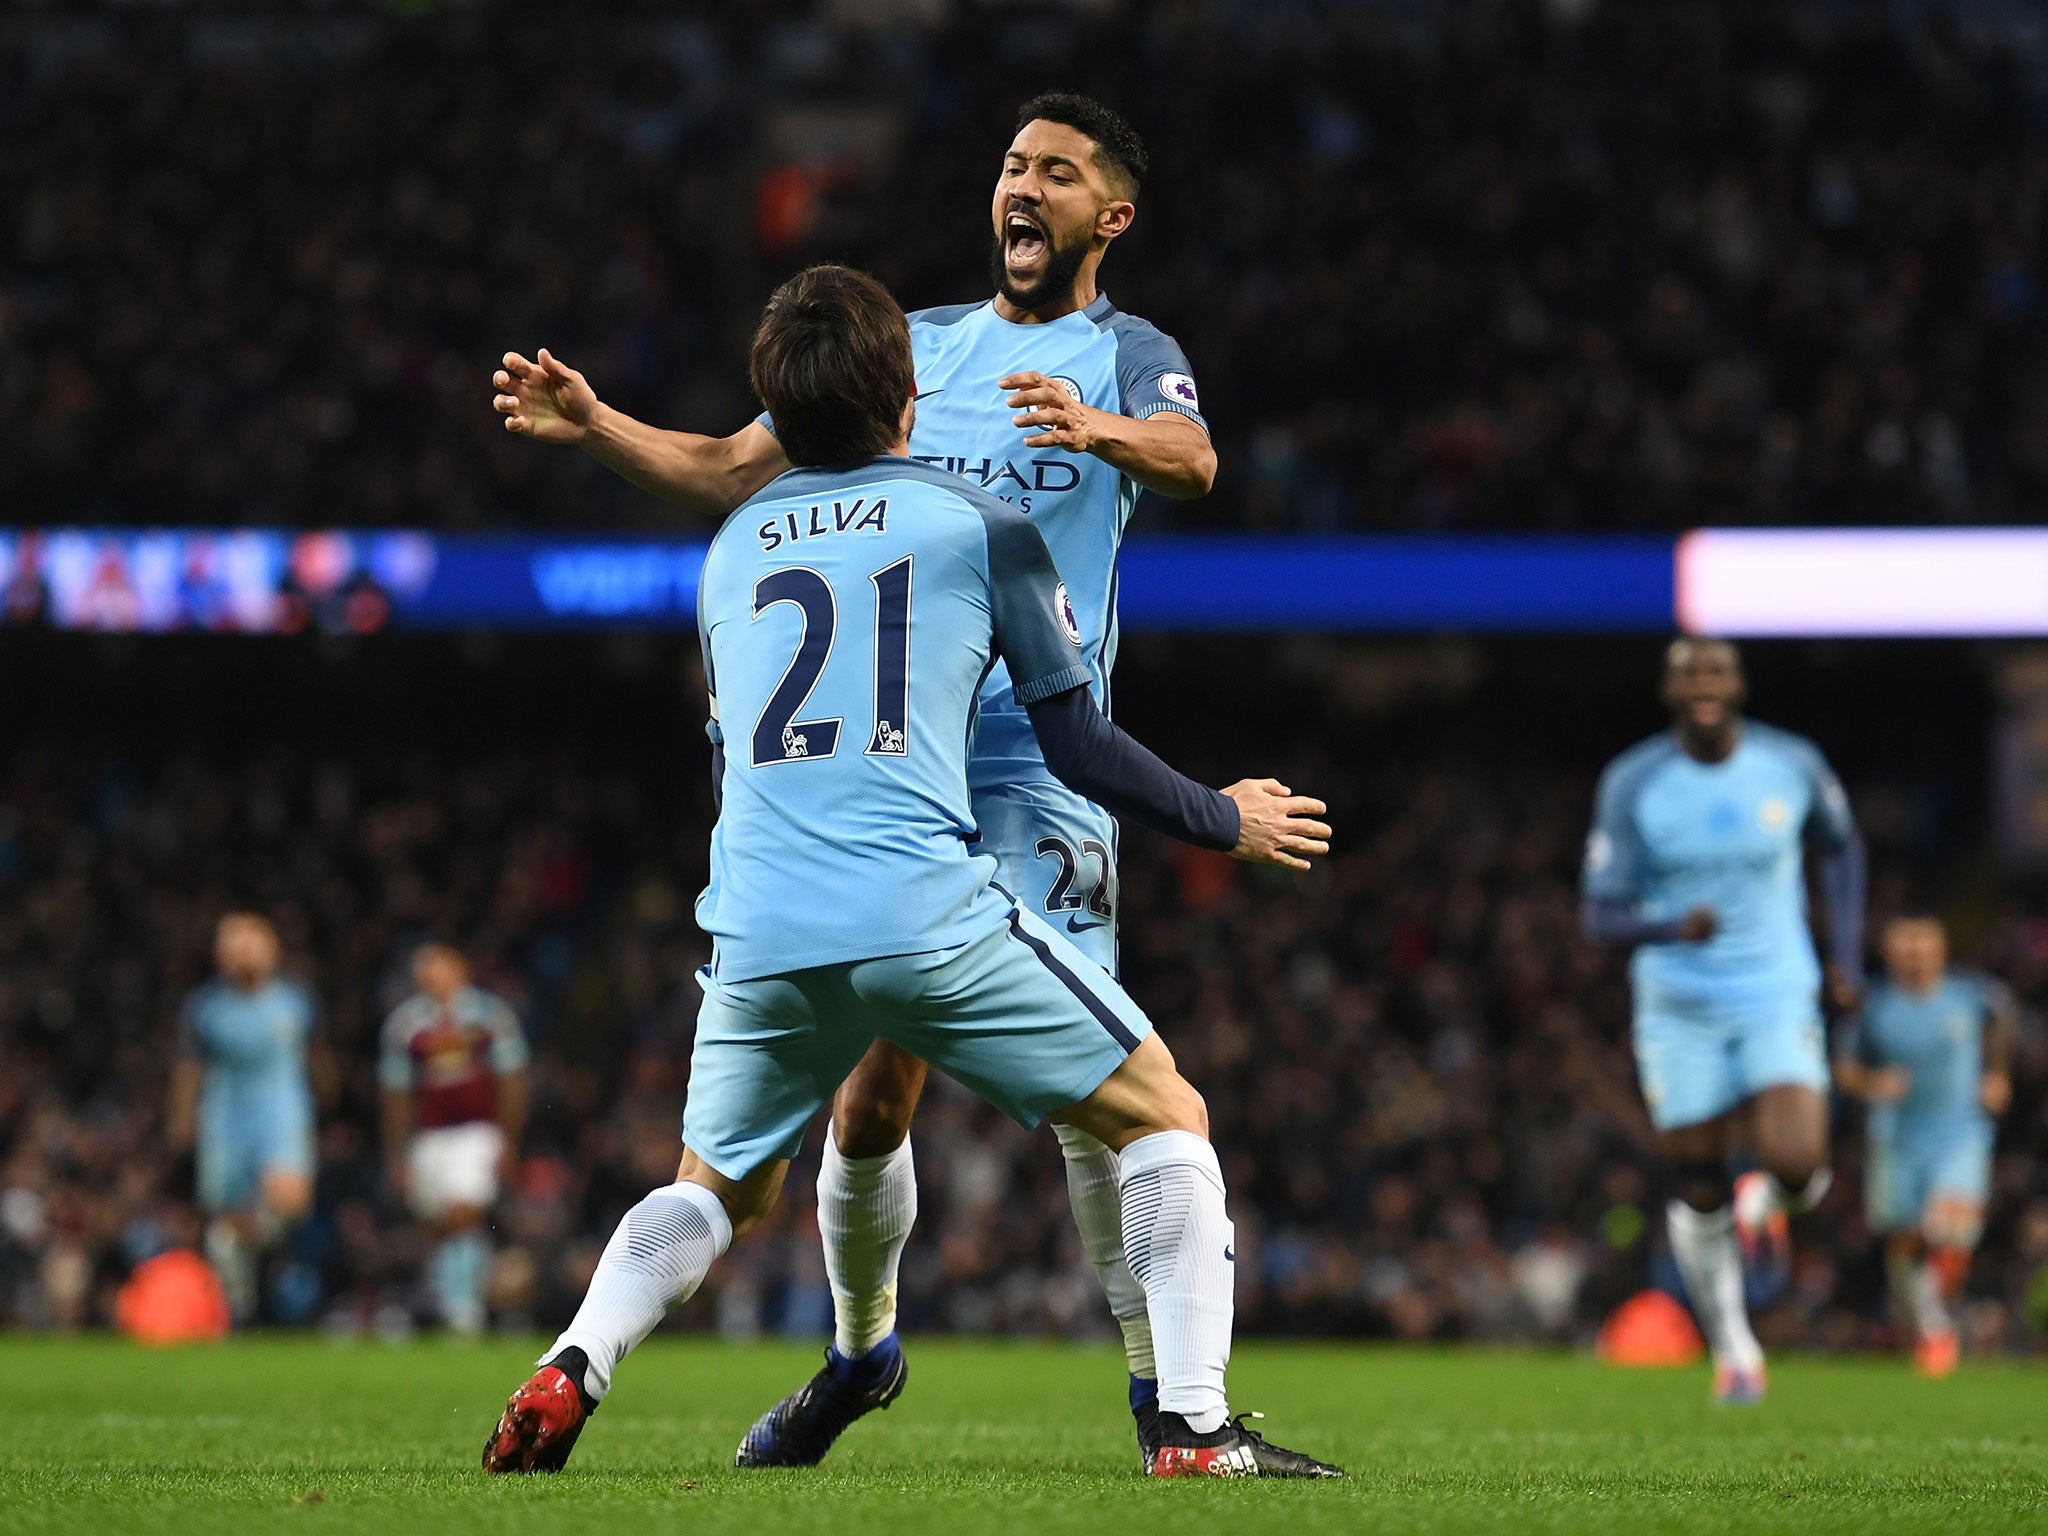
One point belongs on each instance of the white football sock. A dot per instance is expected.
(229, 1254)
(1710, 1258)
(866, 1207)
(1918, 1288)
(1180, 1246)
(657, 1257)
(1093, 1190)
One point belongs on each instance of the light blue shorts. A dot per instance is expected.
(1907, 1172)
(1019, 1016)
(1700, 1057)
(1056, 853)
(242, 1140)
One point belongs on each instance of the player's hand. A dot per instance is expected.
(1277, 826)
(1056, 418)
(1844, 988)
(546, 400)
(1698, 925)
(1887, 1085)
(1995, 1091)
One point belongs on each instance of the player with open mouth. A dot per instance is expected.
(1051, 399)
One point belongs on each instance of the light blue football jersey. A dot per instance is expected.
(849, 621)
(1938, 1037)
(251, 1044)
(1078, 502)
(1671, 833)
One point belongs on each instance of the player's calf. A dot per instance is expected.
(1181, 1247)
(872, 1110)
(658, 1256)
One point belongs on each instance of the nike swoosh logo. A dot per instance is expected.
(926, 394)
(1074, 926)
(1229, 1254)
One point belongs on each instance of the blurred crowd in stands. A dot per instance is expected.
(1439, 264)
(1417, 1071)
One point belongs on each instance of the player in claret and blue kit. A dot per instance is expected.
(851, 614)
(1054, 401)
(1696, 861)
(1930, 1053)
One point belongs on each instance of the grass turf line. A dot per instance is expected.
(300, 1435)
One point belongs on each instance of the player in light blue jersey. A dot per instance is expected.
(1051, 399)
(1931, 1054)
(243, 1091)
(1696, 862)
(851, 613)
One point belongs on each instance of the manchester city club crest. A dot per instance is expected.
(1070, 387)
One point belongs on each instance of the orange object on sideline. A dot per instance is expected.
(174, 1298)
(1650, 1328)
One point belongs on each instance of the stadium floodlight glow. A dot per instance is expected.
(1863, 582)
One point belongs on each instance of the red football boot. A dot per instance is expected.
(1232, 1449)
(540, 1424)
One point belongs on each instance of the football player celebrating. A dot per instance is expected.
(1050, 398)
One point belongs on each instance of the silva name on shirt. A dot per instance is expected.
(862, 516)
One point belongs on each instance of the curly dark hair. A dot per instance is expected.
(1116, 141)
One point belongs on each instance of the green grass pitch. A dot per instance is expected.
(300, 1435)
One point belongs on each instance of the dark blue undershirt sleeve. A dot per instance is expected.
(1845, 882)
(1093, 757)
(1608, 920)
(716, 733)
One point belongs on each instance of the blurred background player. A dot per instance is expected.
(1695, 862)
(1052, 400)
(243, 1085)
(453, 1074)
(1930, 1054)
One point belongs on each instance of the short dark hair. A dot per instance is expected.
(1116, 141)
(831, 361)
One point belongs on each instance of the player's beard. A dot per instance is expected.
(1051, 287)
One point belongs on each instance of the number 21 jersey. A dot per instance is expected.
(849, 619)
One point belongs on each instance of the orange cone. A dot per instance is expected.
(1650, 1328)
(174, 1298)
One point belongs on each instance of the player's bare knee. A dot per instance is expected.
(872, 1110)
(288, 1195)
(1181, 1107)
(866, 1127)
(1702, 1183)
(746, 1200)
(1793, 1156)
(1952, 1224)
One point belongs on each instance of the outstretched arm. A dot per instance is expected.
(1257, 820)
(551, 402)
